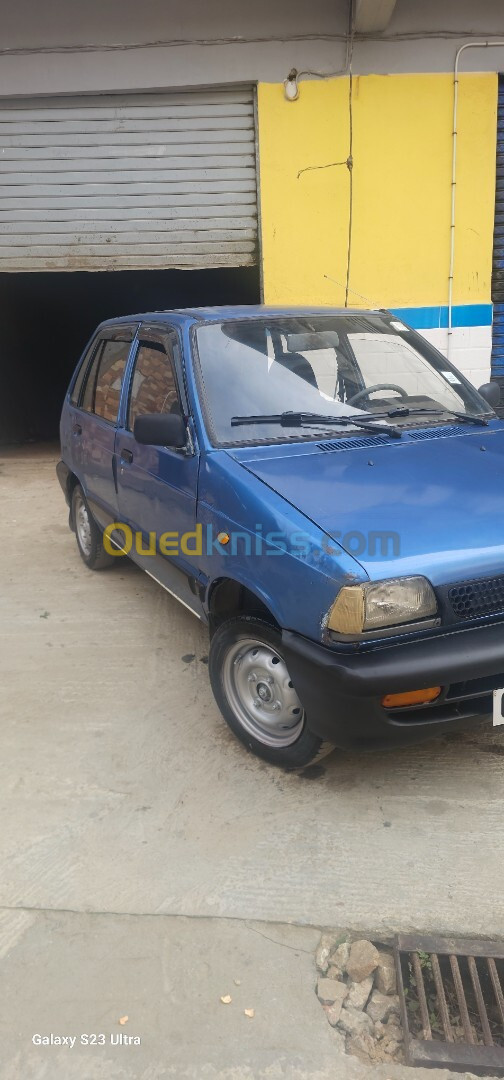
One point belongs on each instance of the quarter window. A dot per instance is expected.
(154, 387)
(77, 387)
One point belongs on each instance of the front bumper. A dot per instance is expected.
(342, 692)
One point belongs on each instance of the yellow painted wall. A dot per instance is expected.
(402, 147)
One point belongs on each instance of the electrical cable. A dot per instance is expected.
(350, 195)
(379, 38)
(348, 160)
(348, 51)
(451, 272)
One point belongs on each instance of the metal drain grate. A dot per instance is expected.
(452, 1002)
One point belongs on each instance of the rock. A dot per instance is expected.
(391, 1031)
(385, 975)
(362, 961)
(355, 1022)
(334, 972)
(380, 1006)
(358, 993)
(392, 1047)
(339, 958)
(333, 1012)
(331, 992)
(339, 1039)
(362, 1047)
(324, 949)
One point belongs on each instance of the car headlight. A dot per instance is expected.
(378, 604)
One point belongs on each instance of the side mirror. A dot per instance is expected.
(490, 391)
(160, 429)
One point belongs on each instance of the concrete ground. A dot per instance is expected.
(147, 861)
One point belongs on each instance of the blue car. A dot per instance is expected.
(323, 489)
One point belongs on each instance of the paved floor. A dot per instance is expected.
(123, 794)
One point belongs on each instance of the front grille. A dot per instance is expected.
(452, 1002)
(473, 598)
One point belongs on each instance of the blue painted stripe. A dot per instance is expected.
(430, 318)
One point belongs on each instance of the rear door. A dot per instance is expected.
(157, 486)
(71, 420)
(95, 422)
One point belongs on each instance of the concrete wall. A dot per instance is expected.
(422, 36)
(400, 247)
(403, 133)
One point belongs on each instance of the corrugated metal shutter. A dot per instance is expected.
(127, 182)
(498, 252)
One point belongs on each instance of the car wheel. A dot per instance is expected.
(89, 536)
(255, 694)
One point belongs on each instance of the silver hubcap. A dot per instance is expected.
(82, 525)
(259, 689)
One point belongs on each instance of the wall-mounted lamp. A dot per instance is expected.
(291, 88)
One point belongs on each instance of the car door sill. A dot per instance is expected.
(170, 591)
(138, 561)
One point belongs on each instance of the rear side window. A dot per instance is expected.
(104, 382)
(154, 387)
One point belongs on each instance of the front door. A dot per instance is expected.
(157, 486)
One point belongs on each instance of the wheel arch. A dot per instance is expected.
(227, 598)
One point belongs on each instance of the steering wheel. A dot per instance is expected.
(377, 386)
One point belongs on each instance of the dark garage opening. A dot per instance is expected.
(47, 319)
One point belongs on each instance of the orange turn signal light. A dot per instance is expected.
(412, 697)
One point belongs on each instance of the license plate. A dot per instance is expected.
(498, 708)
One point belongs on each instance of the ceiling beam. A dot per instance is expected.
(373, 16)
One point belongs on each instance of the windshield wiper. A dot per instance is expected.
(468, 418)
(403, 410)
(307, 419)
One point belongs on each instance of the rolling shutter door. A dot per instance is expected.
(130, 181)
(498, 253)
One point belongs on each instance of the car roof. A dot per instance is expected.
(238, 311)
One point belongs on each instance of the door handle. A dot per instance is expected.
(77, 429)
(126, 456)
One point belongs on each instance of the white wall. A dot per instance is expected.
(471, 348)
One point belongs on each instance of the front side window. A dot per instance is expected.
(367, 365)
(153, 387)
(103, 386)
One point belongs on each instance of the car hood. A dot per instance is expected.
(431, 503)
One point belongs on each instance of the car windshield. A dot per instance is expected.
(332, 365)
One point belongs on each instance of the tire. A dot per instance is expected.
(88, 535)
(255, 695)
